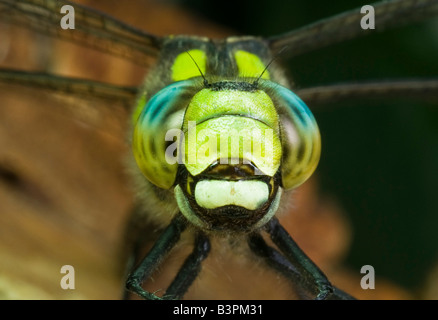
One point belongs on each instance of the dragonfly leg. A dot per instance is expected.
(293, 262)
(155, 257)
(190, 269)
(277, 261)
(294, 253)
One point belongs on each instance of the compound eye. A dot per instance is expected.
(301, 141)
(157, 132)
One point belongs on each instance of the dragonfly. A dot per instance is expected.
(105, 33)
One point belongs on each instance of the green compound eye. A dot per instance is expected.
(156, 127)
(301, 140)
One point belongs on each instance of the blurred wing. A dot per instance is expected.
(347, 26)
(79, 87)
(92, 28)
(426, 90)
(104, 107)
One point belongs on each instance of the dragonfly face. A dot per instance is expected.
(192, 102)
(239, 134)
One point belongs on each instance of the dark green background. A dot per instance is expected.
(379, 158)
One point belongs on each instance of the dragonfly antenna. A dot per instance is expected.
(256, 82)
(206, 84)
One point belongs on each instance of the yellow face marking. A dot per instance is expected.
(185, 68)
(250, 65)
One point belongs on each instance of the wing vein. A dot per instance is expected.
(347, 25)
(92, 28)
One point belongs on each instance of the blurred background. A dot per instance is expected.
(372, 200)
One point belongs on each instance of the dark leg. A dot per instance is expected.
(277, 261)
(190, 269)
(155, 257)
(294, 259)
(138, 234)
(340, 295)
(294, 254)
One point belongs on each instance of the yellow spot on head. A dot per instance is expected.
(185, 68)
(250, 65)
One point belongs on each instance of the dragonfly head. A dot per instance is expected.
(227, 149)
